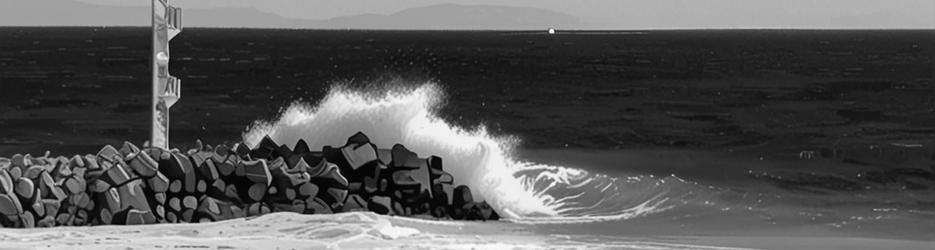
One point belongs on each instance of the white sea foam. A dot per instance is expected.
(521, 191)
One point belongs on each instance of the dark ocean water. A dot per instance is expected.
(691, 132)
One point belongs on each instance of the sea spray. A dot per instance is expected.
(407, 115)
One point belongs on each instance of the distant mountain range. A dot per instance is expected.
(451, 16)
(445, 16)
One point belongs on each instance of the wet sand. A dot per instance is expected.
(370, 231)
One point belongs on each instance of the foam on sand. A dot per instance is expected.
(358, 230)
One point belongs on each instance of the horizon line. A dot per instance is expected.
(495, 29)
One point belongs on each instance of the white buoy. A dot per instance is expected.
(551, 31)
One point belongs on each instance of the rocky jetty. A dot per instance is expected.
(131, 185)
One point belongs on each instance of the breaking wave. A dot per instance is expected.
(521, 191)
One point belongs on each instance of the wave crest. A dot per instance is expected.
(521, 191)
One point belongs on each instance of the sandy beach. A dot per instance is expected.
(371, 231)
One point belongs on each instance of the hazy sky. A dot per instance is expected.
(631, 13)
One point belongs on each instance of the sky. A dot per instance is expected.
(846, 14)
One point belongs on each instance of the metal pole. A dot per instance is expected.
(167, 23)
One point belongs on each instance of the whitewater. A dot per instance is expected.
(521, 191)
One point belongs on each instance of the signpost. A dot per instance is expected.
(167, 23)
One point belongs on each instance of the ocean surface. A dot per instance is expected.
(739, 133)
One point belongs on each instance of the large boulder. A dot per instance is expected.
(257, 172)
(265, 149)
(10, 205)
(354, 203)
(410, 177)
(442, 183)
(333, 185)
(359, 152)
(178, 168)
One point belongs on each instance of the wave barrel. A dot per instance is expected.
(166, 24)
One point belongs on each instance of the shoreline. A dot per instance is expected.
(361, 230)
